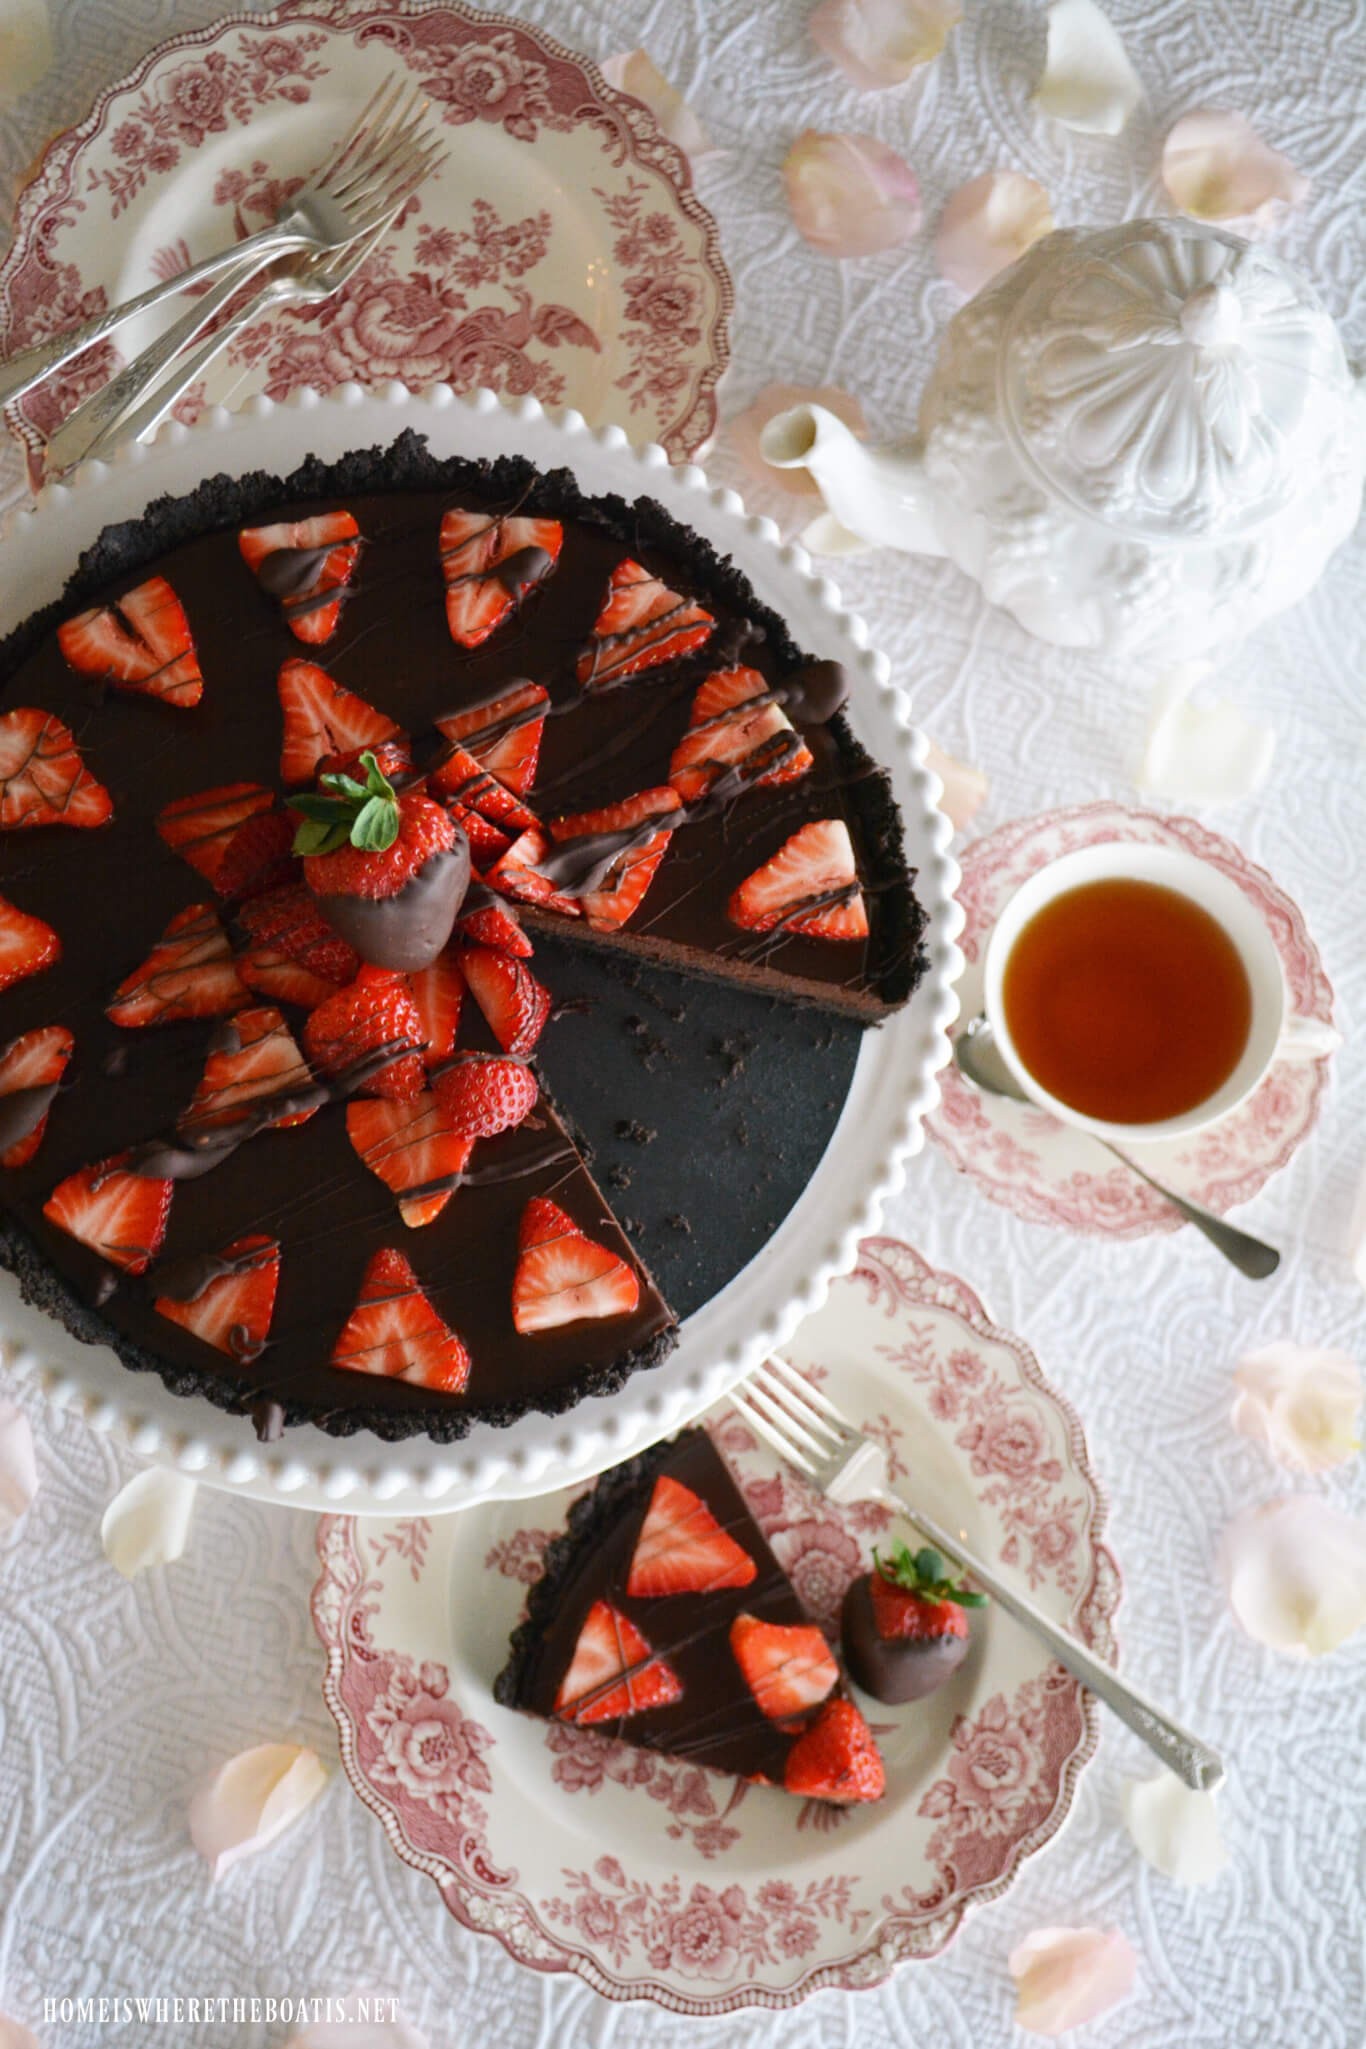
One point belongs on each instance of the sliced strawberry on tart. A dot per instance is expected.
(489, 564)
(306, 565)
(642, 624)
(141, 642)
(31, 1070)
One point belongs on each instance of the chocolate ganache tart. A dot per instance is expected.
(376, 844)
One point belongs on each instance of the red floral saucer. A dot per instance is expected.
(662, 1881)
(1044, 1170)
(560, 252)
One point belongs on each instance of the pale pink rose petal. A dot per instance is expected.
(987, 224)
(965, 788)
(1088, 82)
(1064, 1976)
(252, 1799)
(1216, 167)
(1201, 753)
(14, 2035)
(148, 1521)
(1356, 1231)
(1295, 1574)
(25, 47)
(18, 1466)
(385, 2028)
(635, 72)
(881, 42)
(849, 194)
(1301, 1402)
(741, 432)
(1174, 1828)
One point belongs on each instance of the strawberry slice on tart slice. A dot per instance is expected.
(495, 925)
(189, 973)
(491, 815)
(120, 1216)
(621, 847)
(503, 735)
(252, 1061)
(31, 1070)
(307, 565)
(201, 827)
(324, 722)
(141, 642)
(517, 874)
(642, 624)
(227, 1299)
(836, 1758)
(27, 944)
(787, 1667)
(394, 1331)
(267, 971)
(613, 1673)
(43, 780)
(438, 990)
(287, 921)
(811, 886)
(563, 1276)
(489, 564)
(682, 1548)
(735, 724)
(515, 1005)
(414, 1148)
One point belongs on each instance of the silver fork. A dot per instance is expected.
(340, 201)
(311, 281)
(811, 1434)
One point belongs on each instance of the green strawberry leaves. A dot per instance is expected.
(345, 812)
(925, 1572)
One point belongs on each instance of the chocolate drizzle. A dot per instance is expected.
(23, 1110)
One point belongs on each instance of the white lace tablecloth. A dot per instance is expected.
(114, 1698)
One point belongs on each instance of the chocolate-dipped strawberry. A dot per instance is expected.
(903, 1625)
(388, 871)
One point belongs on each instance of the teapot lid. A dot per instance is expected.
(1170, 379)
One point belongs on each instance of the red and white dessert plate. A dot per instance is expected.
(1049, 1173)
(894, 1081)
(560, 252)
(658, 1880)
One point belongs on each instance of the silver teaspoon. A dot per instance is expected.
(979, 1057)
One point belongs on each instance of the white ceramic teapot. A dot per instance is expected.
(1143, 441)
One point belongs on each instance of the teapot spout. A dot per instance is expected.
(880, 494)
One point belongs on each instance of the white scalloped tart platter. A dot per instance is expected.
(894, 1083)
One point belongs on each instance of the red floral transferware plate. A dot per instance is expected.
(663, 1881)
(560, 252)
(1049, 1173)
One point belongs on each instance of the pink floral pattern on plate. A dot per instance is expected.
(765, 1899)
(478, 283)
(1043, 1171)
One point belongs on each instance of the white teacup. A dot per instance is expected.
(1273, 1034)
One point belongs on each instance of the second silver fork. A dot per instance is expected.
(811, 1434)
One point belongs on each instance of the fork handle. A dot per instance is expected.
(97, 417)
(1194, 1763)
(141, 419)
(20, 373)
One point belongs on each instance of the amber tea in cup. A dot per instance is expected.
(1127, 1001)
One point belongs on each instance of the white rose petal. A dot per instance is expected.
(13, 2034)
(1295, 1574)
(1088, 82)
(1064, 1976)
(25, 47)
(148, 1521)
(881, 42)
(1216, 167)
(636, 72)
(825, 535)
(965, 788)
(1201, 753)
(252, 1799)
(849, 194)
(1175, 1829)
(1301, 1402)
(18, 1469)
(987, 224)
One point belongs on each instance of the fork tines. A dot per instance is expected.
(387, 152)
(792, 1416)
